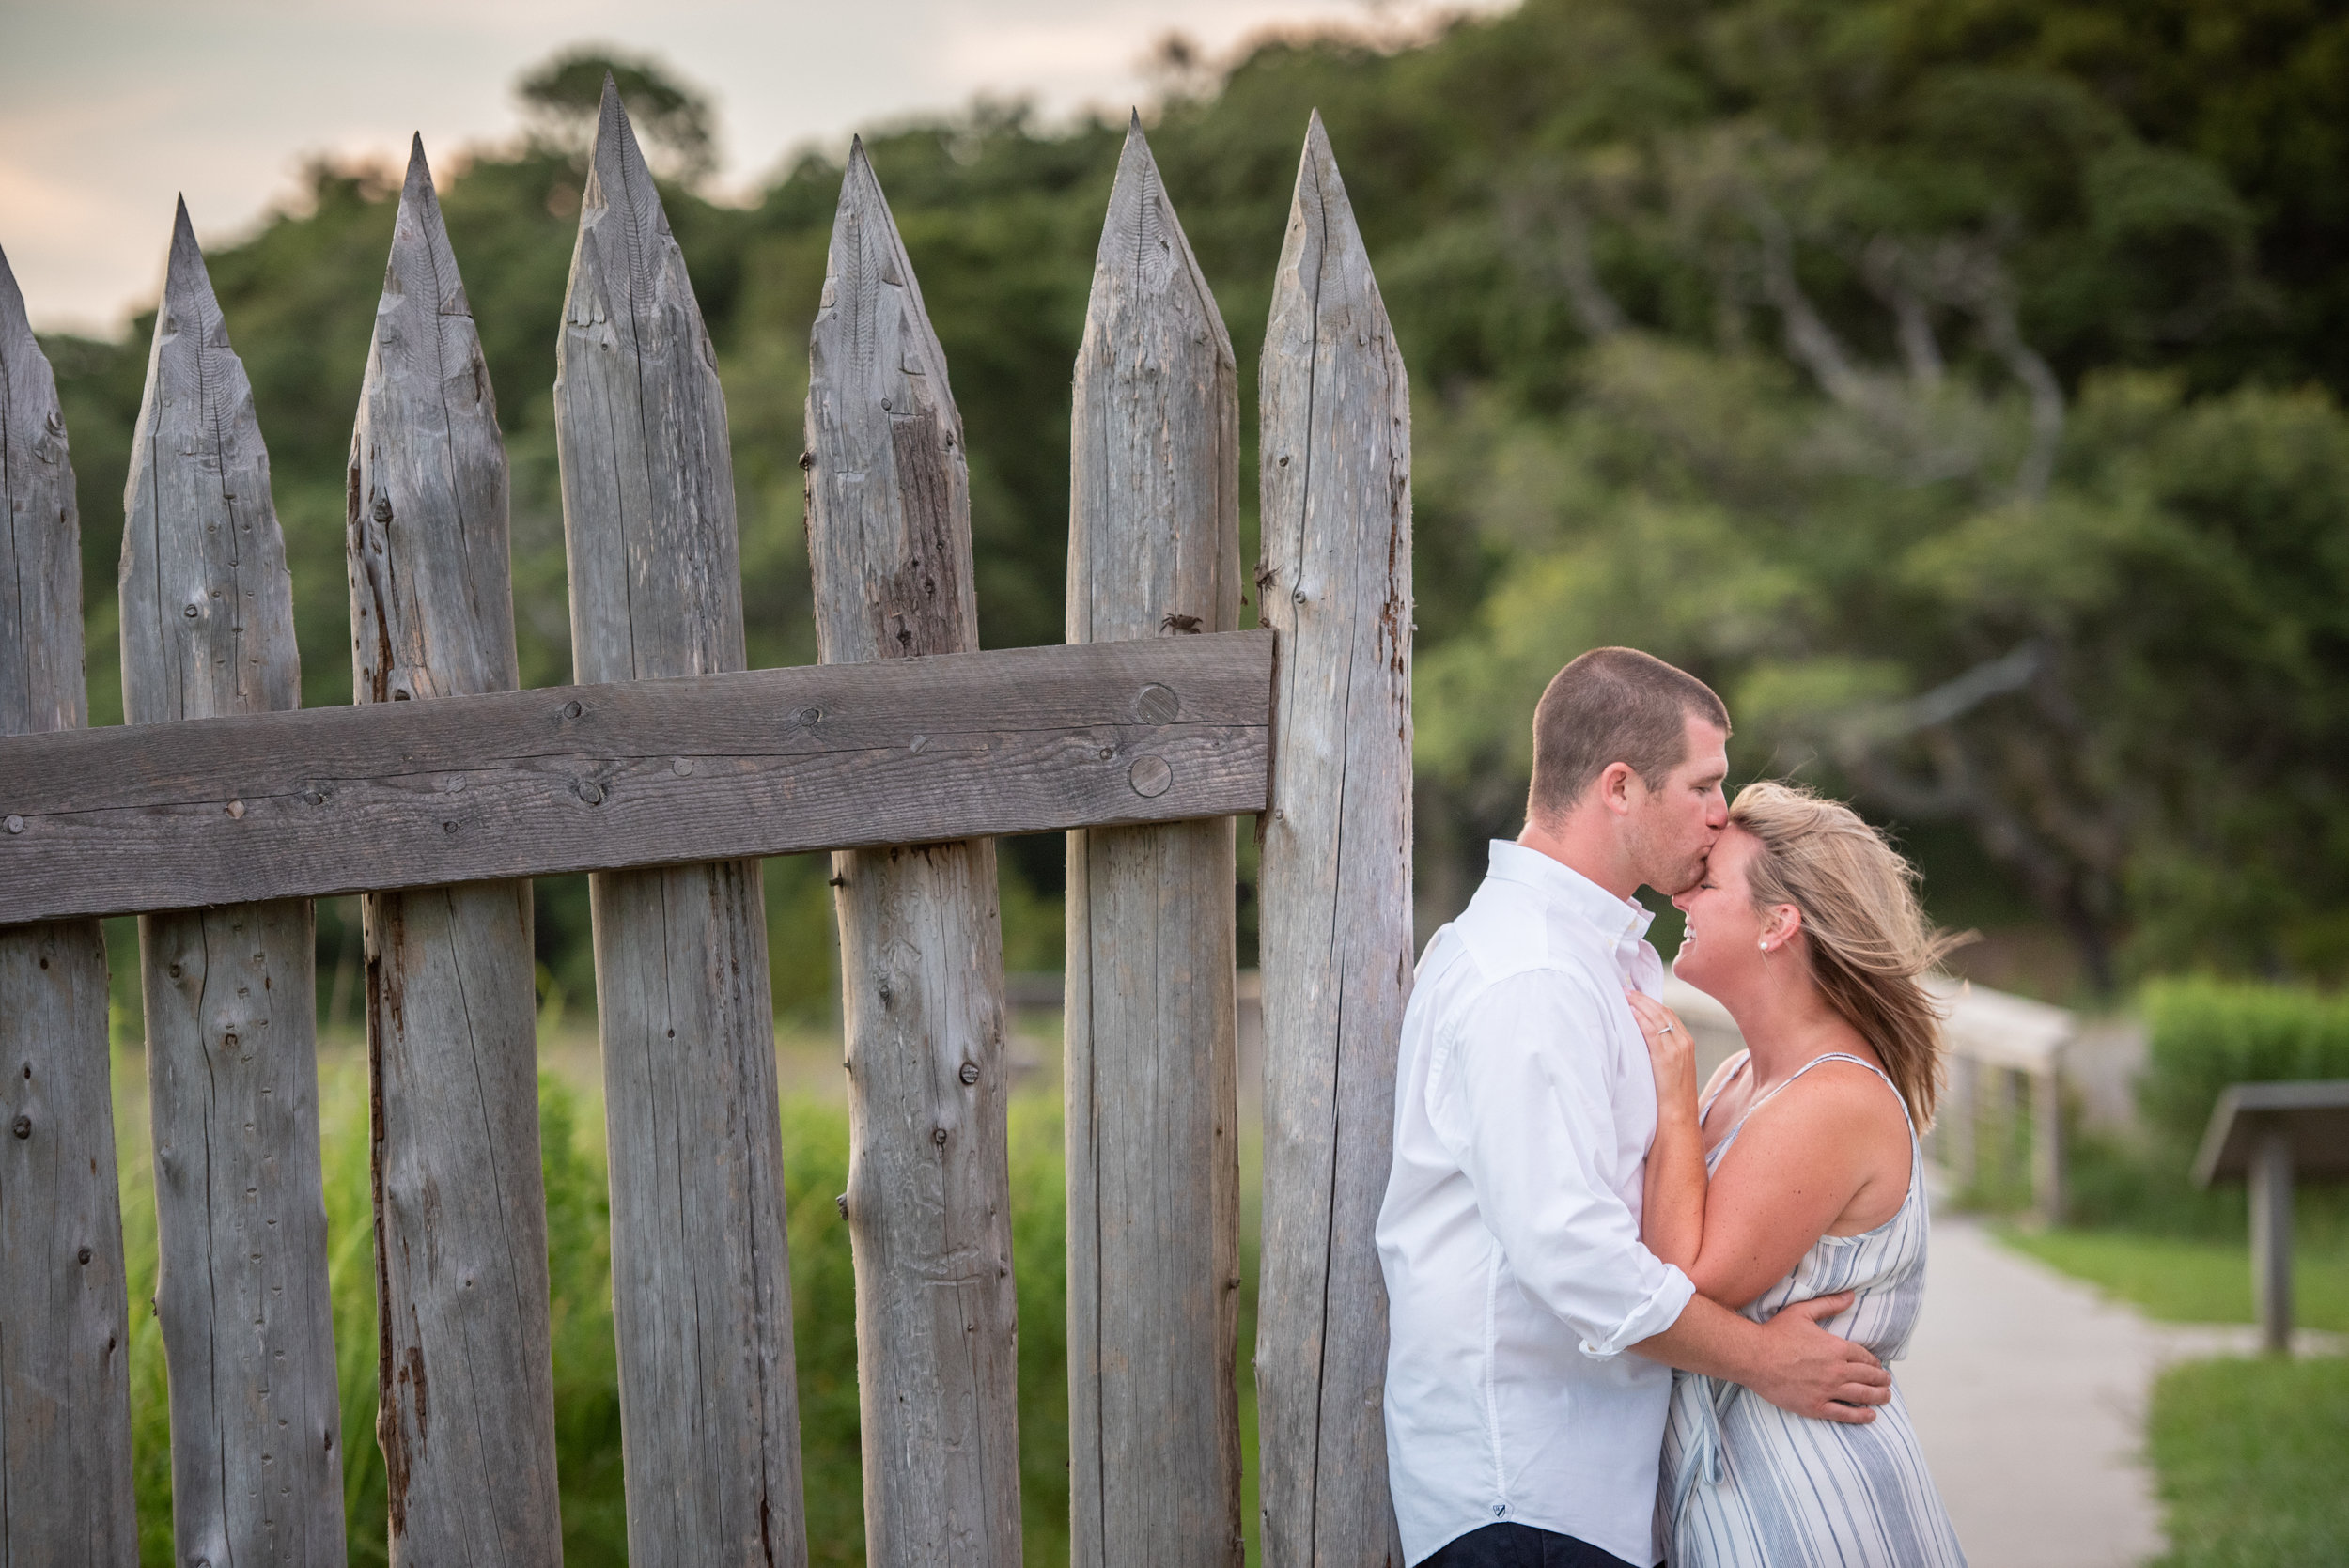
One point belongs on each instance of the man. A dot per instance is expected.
(1517, 1433)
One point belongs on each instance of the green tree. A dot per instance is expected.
(1773, 334)
(674, 123)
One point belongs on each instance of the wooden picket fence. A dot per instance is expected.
(220, 812)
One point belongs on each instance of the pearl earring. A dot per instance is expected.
(1763, 944)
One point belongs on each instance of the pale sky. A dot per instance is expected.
(108, 108)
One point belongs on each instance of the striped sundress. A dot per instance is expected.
(1746, 1484)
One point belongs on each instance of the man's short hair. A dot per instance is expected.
(1609, 706)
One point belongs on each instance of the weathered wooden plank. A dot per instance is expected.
(231, 1015)
(929, 1196)
(1152, 1078)
(701, 1278)
(1334, 894)
(765, 761)
(65, 1402)
(466, 1388)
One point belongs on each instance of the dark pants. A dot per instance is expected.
(1520, 1546)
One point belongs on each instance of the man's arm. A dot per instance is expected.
(1790, 1360)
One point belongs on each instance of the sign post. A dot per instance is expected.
(2269, 1133)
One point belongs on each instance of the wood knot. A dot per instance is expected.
(15, 824)
(938, 1136)
(970, 1072)
(236, 810)
(590, 793)
(1150, 776)
(572, 710)
(22, 1126)
(83, 1256)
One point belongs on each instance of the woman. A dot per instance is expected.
(1806, 927)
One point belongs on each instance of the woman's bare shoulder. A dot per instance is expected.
(1834, 1105)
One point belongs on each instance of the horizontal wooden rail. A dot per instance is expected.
(653, 772)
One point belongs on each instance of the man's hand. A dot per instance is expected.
(1802, 1368)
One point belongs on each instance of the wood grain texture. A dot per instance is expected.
(701, 1277)
(928, 1199)
(1152, 1076)
(231, 1015)
(1335, 889)
(465, 1412)
(65, 1405)
(521, 784)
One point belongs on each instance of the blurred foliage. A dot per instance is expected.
(1952, 383)
(2203, 1036)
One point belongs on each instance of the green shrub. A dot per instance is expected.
(2205, 1034)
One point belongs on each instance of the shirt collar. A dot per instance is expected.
(1619, 919)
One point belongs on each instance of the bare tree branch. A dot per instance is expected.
(1884, 263)
(1562, 255)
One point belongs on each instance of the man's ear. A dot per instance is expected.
(1615, 787)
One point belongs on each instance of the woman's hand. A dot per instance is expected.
(1671, 1053)
(1672, 1219)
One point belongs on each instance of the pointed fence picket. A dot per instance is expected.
(668, 763)
(1152, 1072)
(465, 1408)
(929, 1203)
(701, 1280)
(231, 991)
(64, 1401)
(1334, 895)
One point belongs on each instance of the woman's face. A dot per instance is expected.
(1724, 931)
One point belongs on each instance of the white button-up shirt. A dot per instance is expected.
(1510, 1234)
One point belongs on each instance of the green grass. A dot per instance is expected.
(2254, 1458)
(2194, 1280)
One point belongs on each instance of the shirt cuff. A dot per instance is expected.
(1660, 1311)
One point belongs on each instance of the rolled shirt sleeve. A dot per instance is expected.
(1529, 1115)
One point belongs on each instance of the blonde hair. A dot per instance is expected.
(1869, 940)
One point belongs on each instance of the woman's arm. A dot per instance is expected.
(1672, 1213)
